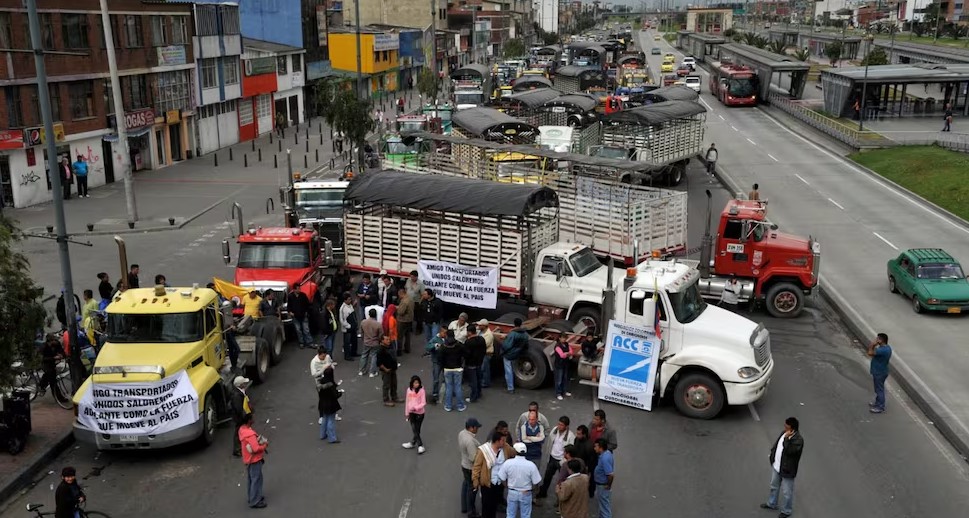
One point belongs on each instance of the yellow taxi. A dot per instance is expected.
(666, 67)
(669, 58)
(656, 37)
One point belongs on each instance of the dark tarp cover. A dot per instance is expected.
(479, 120)
(550, 49)
(673, 93)
(480, 70)
(524, 81)
(450, 194)
(584, 102)
(534, 98)
(656, 113)
(630, 57)
(581, 45)
(575, 70)
(598, 49)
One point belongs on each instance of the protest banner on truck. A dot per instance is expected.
(140, 408)
(629, 365)
(458, 284)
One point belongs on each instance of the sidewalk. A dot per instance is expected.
(50, 435)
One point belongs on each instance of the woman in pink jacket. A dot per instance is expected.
(414, 412)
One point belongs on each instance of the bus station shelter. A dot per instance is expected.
(885, 89)
(700, 45)
(791, 74)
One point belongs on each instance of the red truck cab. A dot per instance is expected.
(278, 257)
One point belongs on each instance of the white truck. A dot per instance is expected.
(711, 357)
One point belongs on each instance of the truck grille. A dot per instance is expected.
(762, 353)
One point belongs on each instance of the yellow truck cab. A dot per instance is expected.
(158, 380)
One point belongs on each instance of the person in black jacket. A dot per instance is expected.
(475, 348)
(451, 356)
(298, 304)
(432, 310)
(784, 458)
(68, 494)
(328, 406)
(387, 363)
(105, 289)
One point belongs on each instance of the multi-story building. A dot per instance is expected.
(278, 21)
(379, 56)
(410, 53)
(318, 17)
(272, 85)
(153, 45)
(547, 15)
(218, 84)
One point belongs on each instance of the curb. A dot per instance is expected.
(907, 379)
(35, 464)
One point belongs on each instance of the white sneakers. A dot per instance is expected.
(560, 398)
(420, 449)
(373, 374)
(407, 445)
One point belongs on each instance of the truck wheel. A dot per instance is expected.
(587, 316)
(208, 418)
(674, 176)
(784, 300)
(698, 396)
(259, 370)
(531, 368)
(891, 284)
(509, 318)
(276, 355)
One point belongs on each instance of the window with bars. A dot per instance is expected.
(297, 63)
(108, 97)
(15, 114)
(179, 30)
(206, 20)
(171, 91)
(47, 30)
(281, 68)
(114, 31)
(132, 31)
(158, 36)
(137, 88)
(6, 37)
(54, 90)
(230, 19)
(74, 31)
(82, 99)
(208, 73)
(230, 70)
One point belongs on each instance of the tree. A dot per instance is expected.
(353, 117)
(514, 48)
(326, 91)
(428, 84)
(760, 42)
(550, 38)
(802, 54)
(777, 47)
(876, 56)
(833, 51)
(750, 38)
(22, 314)
(729, 33)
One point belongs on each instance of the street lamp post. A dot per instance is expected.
(864, 85)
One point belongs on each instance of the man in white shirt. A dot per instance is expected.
(318, 365)
(460, 327)
(730, 296)
(711, 156)
(561, 436)
(520, 476)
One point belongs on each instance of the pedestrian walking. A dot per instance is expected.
(730, 296)
(373, 334)
(328, 406)
(484, 331)
(405, 320)
(754, 193)
(280, 124)
(68, 495)
(475, 348)
(240, 407)
(80, 171)
(520, 475)
(433, 349)
(880, 353)
(348, 319)
(331, 323)
(451, 357)
(562, 355)
(947, 118)
(571, 492)
(711, 156)
(51, 352)
(516, 342)
(400, 106)
(561, 437)
(415, 291)
(298, 304)
(414, 405)
(67, 176)
(785, 455)
(484, 473)
(432, 309)
(319, 364)
(387, 363)
(253, 450)
(603, 477)
(468, 444)
(460, 327)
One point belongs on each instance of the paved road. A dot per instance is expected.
(854, 465)
(861, 222)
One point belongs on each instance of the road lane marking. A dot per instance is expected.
(721, 117)
(887, 242)
(710, 108)
(734, 127)
(772, 157)
(753, 412)
(836, 204)
(801, 179)
(404, 509)
(752, 142)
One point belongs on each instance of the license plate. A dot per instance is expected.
(128, 438)
(954, 310)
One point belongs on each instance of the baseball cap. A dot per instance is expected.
(240, 381)
(483, 322)
(472, 423)
(520, 447)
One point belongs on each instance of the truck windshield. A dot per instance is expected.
(274, 255)
(584, 262)
(319, 197)
(399, 148)
(159, 328)
(612, 152)
(467, 98)
(687, 304)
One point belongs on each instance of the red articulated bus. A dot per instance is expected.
(734, 85)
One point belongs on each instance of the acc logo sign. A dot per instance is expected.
(632, 344)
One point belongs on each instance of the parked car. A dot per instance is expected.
(931, 278)
(693, 83)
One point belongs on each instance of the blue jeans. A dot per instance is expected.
(474, 382)
(509, 374)
(786, 486)
(430, 331)
(518, 500)
(328, 428)
(302, 326)
(561, 381)
(453, 392)
(486, 372)
(254, 485)
(604, 497)
(879, 382)
(436, 373)
(328, 343)
(368, 360)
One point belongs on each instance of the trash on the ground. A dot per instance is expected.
(51, 472)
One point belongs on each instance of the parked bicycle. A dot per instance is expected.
(81, 512)
(28, 380)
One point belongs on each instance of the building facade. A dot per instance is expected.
(272, 85)
(379, 56)
(153, 45)
(218, 81)
(278, 21)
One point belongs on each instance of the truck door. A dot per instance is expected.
(214, 351)
(734, 250)
(635, 312)
(553, 283)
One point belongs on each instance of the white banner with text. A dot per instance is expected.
(465, 285)
(140, 408)
(629, 366)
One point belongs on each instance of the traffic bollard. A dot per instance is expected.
(307, 132)
(245, 160)
(332, 163)
(253, 145)
(307, 146)
(260, 154)
(317, 155)
(275, 161)
(306, 162)
(296, 137)
(270, 138)
(216, 155)
(280, 146)
(230, 154)
(321, 138)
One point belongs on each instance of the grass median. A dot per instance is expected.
(934, 173)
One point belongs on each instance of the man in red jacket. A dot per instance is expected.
(253, 450)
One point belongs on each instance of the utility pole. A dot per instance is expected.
(434, 38)
(360, 86)
(119, 121)
(56, 178)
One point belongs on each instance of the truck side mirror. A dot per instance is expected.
(327, 252)
(226, 256)
(559, 271)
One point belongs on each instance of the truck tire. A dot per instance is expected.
(784, 300)
(675, 174)
(699, 396)
(531, 368)
(509, 318)
(258, 372)
(562, 326)
(209, 419)
(276, 352)
(588, 316)
(271, 330)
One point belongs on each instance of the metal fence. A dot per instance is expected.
(818, 121)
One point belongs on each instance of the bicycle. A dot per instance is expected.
(28, 380)
(35, 508)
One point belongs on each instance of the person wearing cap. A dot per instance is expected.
(460, 327)
(468, 444)
(239, 403)
(68, 494)
(520, 475)
(515, 344)
(485, 332)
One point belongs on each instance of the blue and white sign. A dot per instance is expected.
(629, 365)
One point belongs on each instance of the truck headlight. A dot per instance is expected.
(748, 372)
